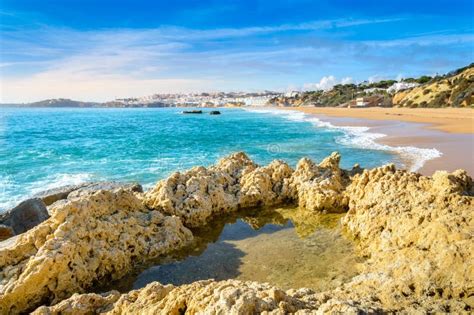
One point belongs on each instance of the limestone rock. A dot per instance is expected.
(264, 185)
(417, 231)
(89, 239)
(81, 304)
(198, 194)
(319, 187)
(52, 195)
(211, 297)
(111, 186)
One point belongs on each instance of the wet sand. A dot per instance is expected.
(451, 131)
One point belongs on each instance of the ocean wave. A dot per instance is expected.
(11, 194)
(59, 180)
(360, 137)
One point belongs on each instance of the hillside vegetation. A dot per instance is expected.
(453, 90)
(340, 94)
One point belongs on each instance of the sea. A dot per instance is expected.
(44, 148)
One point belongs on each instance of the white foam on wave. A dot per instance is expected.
(361, 137)
(60, 180)
(11, 195)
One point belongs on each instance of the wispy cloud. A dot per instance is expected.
(425, 40)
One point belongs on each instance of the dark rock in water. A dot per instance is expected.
(5, 232)
(214, 112)
(192, 112)
(25, 216)
(93, 187)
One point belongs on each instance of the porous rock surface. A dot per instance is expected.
(415, 232)
(204, 297)
(96, 237)
(50, 196)
(319, 187)
(418, 233)
(234, 182)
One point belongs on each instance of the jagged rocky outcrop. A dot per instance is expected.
(234, 182)
(415, 231)
(95, 237)
(319, 187)
(204, 297)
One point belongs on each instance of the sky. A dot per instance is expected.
(94, 50)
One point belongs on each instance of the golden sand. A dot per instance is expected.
(453, 120)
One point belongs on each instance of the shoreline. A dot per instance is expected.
(450, 120)
(455, 142)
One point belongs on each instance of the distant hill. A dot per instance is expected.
(62, 102)
(456, 89)
(58, 102)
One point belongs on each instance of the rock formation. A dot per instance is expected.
(25, 216)
(235, 182)
(319, 187)
(201, 297)
(95, 237)
(415, 231)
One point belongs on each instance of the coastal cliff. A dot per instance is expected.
(414, 230)
(455, 90)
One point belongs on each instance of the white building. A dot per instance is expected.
(291, 94)
(256, 100)
(360, 102)
(400, 86)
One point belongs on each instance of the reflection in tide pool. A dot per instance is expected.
(286, 247)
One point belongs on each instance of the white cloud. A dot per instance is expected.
(326, 83)
(347, 80)
(376, 78)
(423, 41)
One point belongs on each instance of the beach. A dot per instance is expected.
(451, 120)
(449, 130)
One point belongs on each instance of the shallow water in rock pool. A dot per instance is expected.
(286, 247)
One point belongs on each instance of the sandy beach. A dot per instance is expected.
(452, 120)
(449, 130)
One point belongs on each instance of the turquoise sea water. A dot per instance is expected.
(46, 148)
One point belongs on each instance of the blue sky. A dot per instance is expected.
(100, 50)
